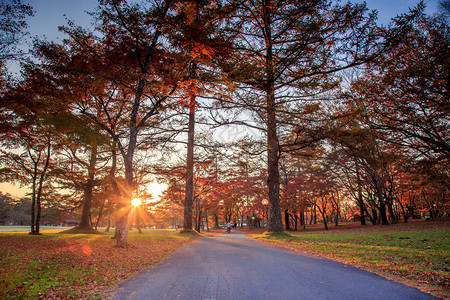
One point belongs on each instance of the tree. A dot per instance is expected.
(362, 144)
(12, 32)
(131, 93)
(406, 90)
(294, 186)
(31, 166)
(199, 38)
(81, 149)
(444, 6)
(12, 25)
(6, 203)
(348, 172)
(289, 51)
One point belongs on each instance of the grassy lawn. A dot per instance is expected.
(43, 229)
(421, 256)
(55, 265)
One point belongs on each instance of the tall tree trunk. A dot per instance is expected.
(286, 220)
(138, 220)
(315, 214)
(121, 232)
(198, 214)
(412, 205)
(216, 221)
(325, 219)
(189, 189)
(41, 184)
(123, 207)
(360, 197)
(273, 179)
(389, 196)
(428, 202)
(206, 220)
(88, 189)
(379, 193)
(87, 200)
(112, 178)
(100, 213)
(33, 201)
(108, 222)
(381, 202)
(405, 214)
(295, 221)
(323, 211)
(302, 218)
(374, 216)
(392, 216)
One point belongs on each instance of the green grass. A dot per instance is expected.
(43, 229)
(276, 235)
(423, 255)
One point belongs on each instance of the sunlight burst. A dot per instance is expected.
(136, 202)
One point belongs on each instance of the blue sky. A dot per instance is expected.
(49, 14)
(390, 8)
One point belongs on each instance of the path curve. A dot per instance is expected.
(232, 266)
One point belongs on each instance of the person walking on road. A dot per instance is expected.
(229, 227)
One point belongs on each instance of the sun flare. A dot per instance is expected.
(136, 202)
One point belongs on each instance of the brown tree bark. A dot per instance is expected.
(138, 220)
(108, 222)
(216, 221)
(295, 221)
(121, 226)
(286, 220)
(100, 214)
(189, 189)
(302, 219)
(33, 201)
(325, 221)
(37, 194)
(273, 151)
(360, 196)
(206, 220)
(380, 196)
(88, 190)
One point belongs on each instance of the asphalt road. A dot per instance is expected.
(235, 267)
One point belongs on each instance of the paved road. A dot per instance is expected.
(235, 267)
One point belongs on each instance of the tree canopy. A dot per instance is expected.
(350, 119)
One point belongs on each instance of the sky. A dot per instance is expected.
(49, 14)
